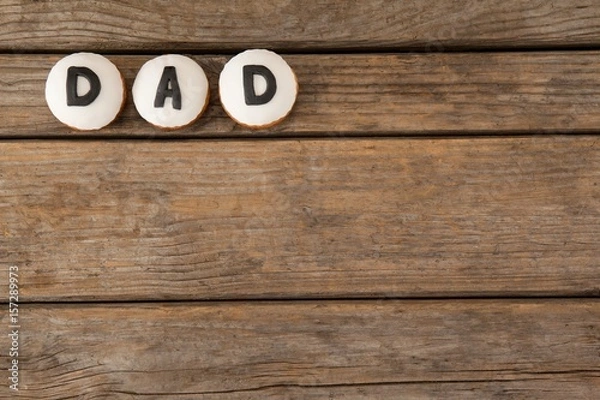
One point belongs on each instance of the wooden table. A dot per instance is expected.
(425, 224)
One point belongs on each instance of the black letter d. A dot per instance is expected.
(73, 99)
(252, 99)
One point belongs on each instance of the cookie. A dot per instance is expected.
(171, 91)
(85, 91)
(257, 88)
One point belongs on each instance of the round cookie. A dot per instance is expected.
(171, 91)
(85, 91)
(257, 88)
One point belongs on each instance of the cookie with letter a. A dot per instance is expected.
(171, 91)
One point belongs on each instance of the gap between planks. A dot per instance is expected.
(300, 300)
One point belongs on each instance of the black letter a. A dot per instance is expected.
(73, 99)
(249, 91)
(168, 87)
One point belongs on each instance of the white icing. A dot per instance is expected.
(192, 83)
(231, 89)
(103, 110)
(83, 86)
(260, 84)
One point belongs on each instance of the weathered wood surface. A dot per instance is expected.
(190, 25)
(495, 93)
(415, 349)
(335, 218)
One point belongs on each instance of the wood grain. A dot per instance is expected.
(346, 95)
(416, 350)
(337, 218)
(118, 242)
(216, 26)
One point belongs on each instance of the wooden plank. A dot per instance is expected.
(338, 218)
(508, 349)
(360, 95)
(190, 25)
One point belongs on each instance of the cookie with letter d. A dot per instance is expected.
(85, 91)
(258, 88)
(171, 91)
